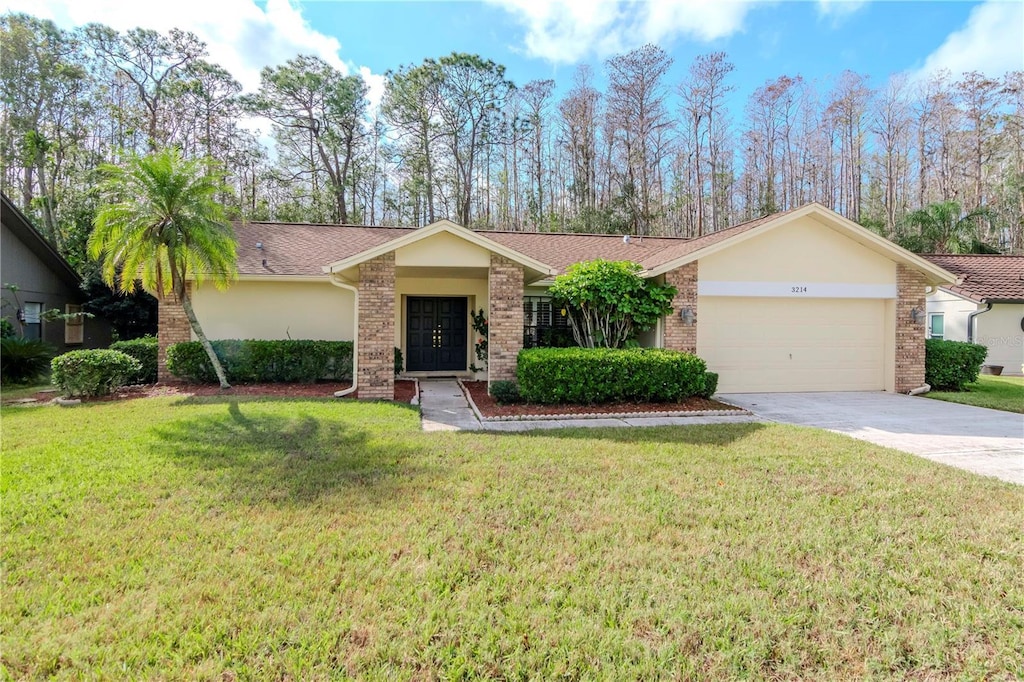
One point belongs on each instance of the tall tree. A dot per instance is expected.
(579, 113)
(161, 227)
(639, 116)
(319, 115)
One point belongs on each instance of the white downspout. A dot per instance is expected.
(355, 336)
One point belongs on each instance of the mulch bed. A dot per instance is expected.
(488, 408)
(405, 391)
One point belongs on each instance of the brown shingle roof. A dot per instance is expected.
(302, 249)
(985, 277)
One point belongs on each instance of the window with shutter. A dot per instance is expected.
(74, 324)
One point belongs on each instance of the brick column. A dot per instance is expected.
(910, 290)
(505, 318)
(679, 336)
(376, 333)
(172, 328)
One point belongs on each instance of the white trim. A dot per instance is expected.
(796, 289)
(429, 231)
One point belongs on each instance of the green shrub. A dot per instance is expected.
(145, 351)
(23, 360)
(710, 385)
(399, 361)
(7, 330)
(256, 361)
(951, 365)
(591, 376)
(92, 372)
(505, 392)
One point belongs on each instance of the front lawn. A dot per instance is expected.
(998, 393)
(217, 538)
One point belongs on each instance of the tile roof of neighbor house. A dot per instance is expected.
(302, 249)
(984, 277)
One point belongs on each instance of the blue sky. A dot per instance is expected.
(817, 39)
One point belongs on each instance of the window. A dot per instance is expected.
(936, 326)
(74, 324)
(543, 326)
(32, 320)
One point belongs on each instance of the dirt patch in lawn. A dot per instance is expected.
(405, 391)
(489, 408)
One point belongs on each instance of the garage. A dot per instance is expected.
(766, 344)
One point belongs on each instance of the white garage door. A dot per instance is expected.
(785, 344)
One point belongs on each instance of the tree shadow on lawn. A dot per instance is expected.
(696, 434)
(289, 459)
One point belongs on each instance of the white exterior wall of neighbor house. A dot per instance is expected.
(276, 310)
(800, 308)
(998, 329)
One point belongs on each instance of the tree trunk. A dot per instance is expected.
(186, 304)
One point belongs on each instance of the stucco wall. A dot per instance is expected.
(954, 310)
(999, 330)
(803, 251)
(276, 310)
(442, 250)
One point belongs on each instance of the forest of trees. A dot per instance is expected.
(455, 138)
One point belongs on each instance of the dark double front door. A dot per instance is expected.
(435, 334)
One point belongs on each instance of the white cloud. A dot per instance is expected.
(241, 36)
(990, 42)
(839, 9)
(566, 31)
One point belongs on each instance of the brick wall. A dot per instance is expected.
(505, 318)
(910, 291)
(679, 336)
(172, 327)
(376, 332)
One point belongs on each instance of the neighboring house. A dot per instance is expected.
(798, 301)
(985, 306)
(45, 282)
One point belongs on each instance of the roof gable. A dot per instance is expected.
(20, 226)
(539, 269)
(724, 239)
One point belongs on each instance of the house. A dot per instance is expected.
(985, 306)
(803, 300)
(44, 282)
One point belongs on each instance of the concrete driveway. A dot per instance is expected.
(987, 442)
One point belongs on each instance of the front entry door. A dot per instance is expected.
(435, 336)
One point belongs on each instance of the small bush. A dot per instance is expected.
(710, 385)
(256, 361)
(399, 361)
(92, 372)
(951, 365)
(7, 330)
(505, 392)
(145, 351)
(589, 376)
(23, 360)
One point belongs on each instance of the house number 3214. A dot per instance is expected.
(798, 290)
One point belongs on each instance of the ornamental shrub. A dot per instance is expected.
(710, 385)
(505, 392)
(399, 361)
(145, 351)
(92, 372)
(23, 360)
(589, 376)
(257, 361)
(951, 365)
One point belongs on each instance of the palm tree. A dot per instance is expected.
(162, 226)
(944, 228)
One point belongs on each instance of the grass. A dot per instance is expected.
(215, 539)
(998, 393)
(17, 391)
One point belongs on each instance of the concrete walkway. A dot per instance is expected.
(987, 442)
(445, 408)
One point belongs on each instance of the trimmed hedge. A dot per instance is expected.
(951, 365)
(92, 372)
(589, 376)
(145, 351)
(505, 392)
(257, 361)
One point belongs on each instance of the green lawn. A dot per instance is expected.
(215, 539)
(999, 393)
